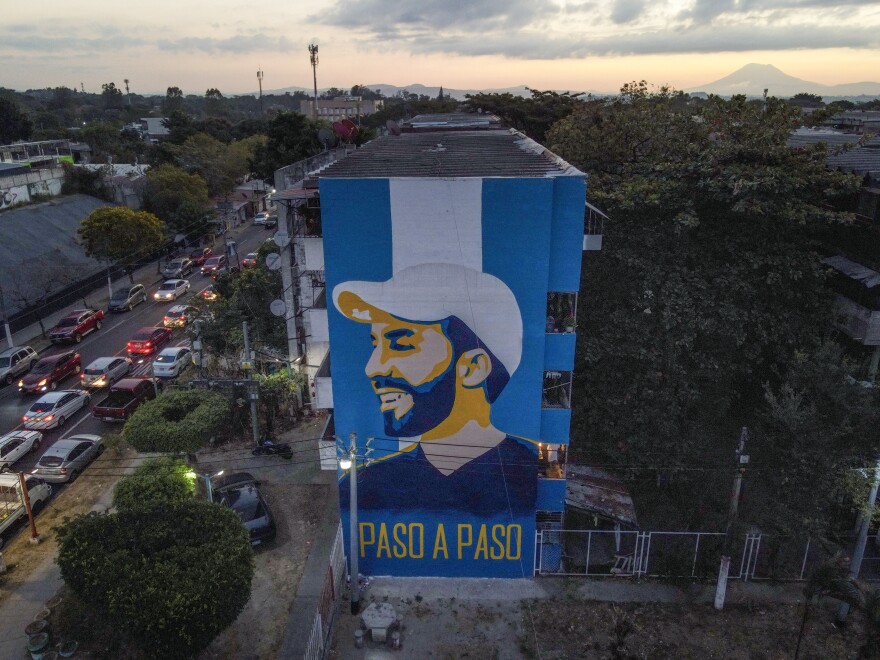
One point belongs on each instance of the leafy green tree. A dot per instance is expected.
(178, 421)
(173, 101)
(713, 283)
(121, 235)
(533, 116)
(111, 96)
(169, 578)
(830, 579)
(178, 198)
(221, 165)
(14, 123)
(155, 482)
(278, 391)
(81, 180)
(215, 104)
(291, 137)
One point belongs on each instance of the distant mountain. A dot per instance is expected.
(417, 88)
(753, 79)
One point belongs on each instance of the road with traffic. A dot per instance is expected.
(110, 340)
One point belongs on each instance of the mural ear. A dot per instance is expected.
(474, 367)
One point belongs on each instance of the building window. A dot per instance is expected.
(551, 460)
(557, 389)
(561, 312)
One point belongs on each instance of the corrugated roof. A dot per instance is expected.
(870, 278)
(451, 154)
(863, 160)
(804, 137)
(598, 492)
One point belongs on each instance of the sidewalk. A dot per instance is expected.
(98, 299)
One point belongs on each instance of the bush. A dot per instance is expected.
(178, 421)
(158, 481)
(170, 577)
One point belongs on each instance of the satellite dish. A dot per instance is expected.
(327, 138)
(273, 261)
(277, 307)
(393, 127)
(352, 128)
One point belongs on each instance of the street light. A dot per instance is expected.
(349, 462)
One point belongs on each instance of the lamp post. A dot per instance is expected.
(349, 462)
(209, 488)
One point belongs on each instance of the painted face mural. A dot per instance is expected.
(411, 370)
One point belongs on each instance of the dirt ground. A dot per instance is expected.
(561, 629)
(79, 497)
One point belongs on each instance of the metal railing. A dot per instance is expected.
(694, 555)
(334, 579)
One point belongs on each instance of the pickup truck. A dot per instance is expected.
(124, 397)
(12, 508)
(77, 325)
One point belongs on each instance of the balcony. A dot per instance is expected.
(322, 386)
(561, 312)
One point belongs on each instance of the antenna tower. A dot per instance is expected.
(260, 80)
(313, 57)
(127, 93)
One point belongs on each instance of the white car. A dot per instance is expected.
(171, 361)
(261, 218)
(16, 444)
(53, 409)
(171, 290)
(105, 371)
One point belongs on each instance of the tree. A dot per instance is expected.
(278, 391)
(291, 137)
(178, 421)
(173, 101)
(111, 96)
(178, 198)
(714, 283)
(215, 104)
(81, 180)
(14, 124)
(221, 165)
(830, 579)
(155, 482)
(121, 235)
(168, 577)
(533, 116)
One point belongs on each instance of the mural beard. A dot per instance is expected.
(431, 404)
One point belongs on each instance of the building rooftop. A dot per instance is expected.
(455, 153)
(804, 137)
(864, 160)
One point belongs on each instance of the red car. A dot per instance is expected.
(50, 371)
(200, 255)
(214, 264)
(146, 340)
(76, 325)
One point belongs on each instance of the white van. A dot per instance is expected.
(12, 509)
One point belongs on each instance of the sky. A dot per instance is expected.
(578, 45)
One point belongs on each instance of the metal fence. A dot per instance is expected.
(334, 580)
(694, 555)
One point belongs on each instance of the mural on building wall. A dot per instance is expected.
(443, 487)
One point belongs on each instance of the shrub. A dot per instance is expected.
(170, 577)
(157, 481)
(178, 421)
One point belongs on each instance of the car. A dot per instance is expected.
(179, 315)
(261, 218)
(53, 409)
(16, 361)
(76, 325)
(16, 444)
(178, 267)
(125, 397)
(67, 458)
(239, 491)
(200, 255)
(172, 289)
(214, 265)
(126, 298)
(105, 371)
(146, 340)
(210, 294)
(171, 361)
(249, 260)
(232, 270)
(50, 371)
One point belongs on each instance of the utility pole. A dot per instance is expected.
(855, 566)
(353, 527)
(313, 57)
(35, 536)
(260, 81)
(127, 93)
(742, 460)
(9, 343)
(252, 393)
(109, 263)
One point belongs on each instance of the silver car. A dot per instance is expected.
(54, 408)
(16, 361)
(171, 361)
(178, 268)
(171, 290)
(64, 460)
(105, 371)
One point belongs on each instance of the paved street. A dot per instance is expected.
(110, 341)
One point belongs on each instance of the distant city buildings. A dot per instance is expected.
(341, 107)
